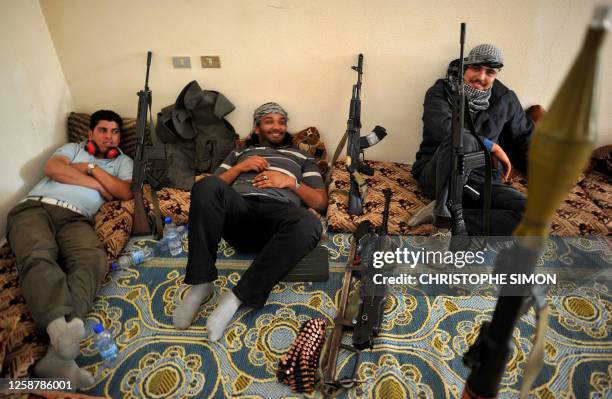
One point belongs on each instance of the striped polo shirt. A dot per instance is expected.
(288, 160)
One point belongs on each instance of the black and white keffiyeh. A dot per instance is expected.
(478, 100)
(266, 109)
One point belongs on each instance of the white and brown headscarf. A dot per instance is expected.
(265, 109)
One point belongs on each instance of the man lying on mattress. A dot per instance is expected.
(61, 261)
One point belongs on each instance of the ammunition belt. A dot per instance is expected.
(297, 368)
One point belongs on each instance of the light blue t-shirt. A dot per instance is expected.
(87, 200)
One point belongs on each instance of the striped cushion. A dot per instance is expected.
(78, 126)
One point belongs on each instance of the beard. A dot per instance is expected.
(270, 140)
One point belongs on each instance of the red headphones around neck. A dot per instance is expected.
(94, 150)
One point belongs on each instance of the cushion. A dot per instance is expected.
(113, 222)
(78, 126)
(601, 160)
(598, 187)
(579, 214)
(407, 199)
(20, 344)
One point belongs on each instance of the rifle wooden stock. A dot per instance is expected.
(140, 226)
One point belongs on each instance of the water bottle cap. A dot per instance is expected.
(113, 265)
(98, 328)
(167, 220)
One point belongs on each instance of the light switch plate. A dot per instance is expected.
(181, 62)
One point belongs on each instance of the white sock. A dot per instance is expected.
(187, 310)
(53, 366)
(423, 216)
(222, 315)
(66, 337)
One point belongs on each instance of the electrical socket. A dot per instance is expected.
(210, 61)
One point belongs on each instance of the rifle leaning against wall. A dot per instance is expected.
(369, 300)
(462, 164)
(356, 145)
(144, 153)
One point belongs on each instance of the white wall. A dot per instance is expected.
(34, 100)
(295, 52)
(299, 53)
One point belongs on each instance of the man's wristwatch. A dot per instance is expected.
(90, 168)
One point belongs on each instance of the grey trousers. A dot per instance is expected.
(507, 204)
(60, 260)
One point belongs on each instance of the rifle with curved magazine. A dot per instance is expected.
(356, 144)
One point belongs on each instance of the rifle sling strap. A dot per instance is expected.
(157, 218)
(486, 206)
(335, 157)
(158, 224)
(362, 184)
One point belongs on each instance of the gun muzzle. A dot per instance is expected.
(373, 138)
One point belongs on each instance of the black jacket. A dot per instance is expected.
(504, 123)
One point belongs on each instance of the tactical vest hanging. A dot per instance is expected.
(197, 135)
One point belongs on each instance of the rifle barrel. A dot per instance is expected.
(149, 55)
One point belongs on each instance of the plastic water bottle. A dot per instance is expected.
(105, 346)
(162, 248)
(172, 237)
(135, 257)
(183, 230)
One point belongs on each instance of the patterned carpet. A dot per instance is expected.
(418, 355)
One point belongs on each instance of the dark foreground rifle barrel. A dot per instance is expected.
(488, 356)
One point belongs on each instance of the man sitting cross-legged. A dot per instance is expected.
(256, 202)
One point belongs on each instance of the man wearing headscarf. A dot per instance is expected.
(500, 124)
(256, 201)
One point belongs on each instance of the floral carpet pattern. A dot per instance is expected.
(418, 355)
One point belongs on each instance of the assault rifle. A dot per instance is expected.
(462, 163)
(356, 145)
(366, 321)
(145, 153)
